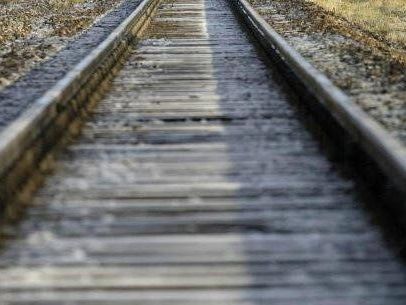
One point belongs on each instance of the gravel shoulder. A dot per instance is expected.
(30, 33)
(361, 65)
(58, 50)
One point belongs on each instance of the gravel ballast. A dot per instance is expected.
(32, 32)
(366, 71)
(16, 97)
(356, 63)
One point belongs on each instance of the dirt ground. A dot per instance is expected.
(32, 31)
(359, 63)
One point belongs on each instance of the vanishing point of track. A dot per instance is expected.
(195, 181)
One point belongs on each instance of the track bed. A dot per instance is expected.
(195, 182)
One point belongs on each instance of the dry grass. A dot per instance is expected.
(384, 18)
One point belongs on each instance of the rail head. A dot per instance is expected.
(388, 153)
(17, 138)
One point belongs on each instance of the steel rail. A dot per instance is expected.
(50, 111)
(388, 153)
(55, 110)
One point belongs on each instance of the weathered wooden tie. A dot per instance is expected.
(195, 182)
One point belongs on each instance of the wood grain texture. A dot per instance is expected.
(195, 182)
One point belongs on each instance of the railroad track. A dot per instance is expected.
(194, 179)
